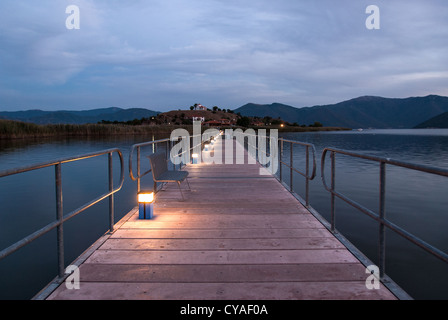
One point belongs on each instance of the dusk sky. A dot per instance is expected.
(170, 54)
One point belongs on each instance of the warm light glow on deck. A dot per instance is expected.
(146, 197)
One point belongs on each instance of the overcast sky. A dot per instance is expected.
(170, 54)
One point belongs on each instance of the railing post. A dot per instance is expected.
(111, 197)
(138, 169)
(174, 165)
(333, 183)
(59, 217)
(382, 216)
(167, 149)
(307, 185)
(290, 168)
(280, 160)
(191, 148)
(257, 149)
(261, 155)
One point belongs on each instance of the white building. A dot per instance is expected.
(198, 118)
(199, 106)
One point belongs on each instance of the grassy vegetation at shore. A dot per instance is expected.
(10, 129)
(20, 130)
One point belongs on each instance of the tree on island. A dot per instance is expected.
(316, 124)
(243, 122)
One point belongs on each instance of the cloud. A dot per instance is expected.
(164, 54)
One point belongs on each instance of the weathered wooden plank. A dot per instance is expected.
(222, 257)
(125, 233)
(331, 290)
(214, 198)
(228, 218)
(248, 224)
(221, 273)
(236, 210)
(273, 205)
(221, 244)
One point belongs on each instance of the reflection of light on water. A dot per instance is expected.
(153, 145)
(404, 132)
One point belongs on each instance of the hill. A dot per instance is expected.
(78, 117)
(362, 112)
(440, 121)
(274, 110)
(186, 116)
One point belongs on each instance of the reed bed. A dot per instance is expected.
(10, 129)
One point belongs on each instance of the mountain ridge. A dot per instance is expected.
(38, 116)
(360, 112)
(439, 121)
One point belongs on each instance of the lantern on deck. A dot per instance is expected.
(145, 204)
(194, 158)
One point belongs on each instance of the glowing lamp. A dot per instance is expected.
(194, 158)
(206, 147)
(145, 204)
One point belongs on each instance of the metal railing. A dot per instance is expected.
(279, 142)
(308, 177)
(138, 147)
(60, 217)
(168, 146)
(381, 216)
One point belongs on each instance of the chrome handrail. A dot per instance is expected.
(60, 217)
(168, 143)
(292, 169)
(308, 177)
(138, 146)
(380, 217)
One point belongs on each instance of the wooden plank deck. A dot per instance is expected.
(238, 236)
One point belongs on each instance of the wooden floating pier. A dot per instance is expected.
(238, 235)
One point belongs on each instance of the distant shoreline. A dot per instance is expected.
(10, 129)
(312, 129)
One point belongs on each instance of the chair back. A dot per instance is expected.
(158, 164)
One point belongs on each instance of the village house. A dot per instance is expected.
(198, 118)
(257, 123)
(200, 107)
(213, 123)
(217, 123)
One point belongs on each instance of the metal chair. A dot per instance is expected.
(160, 172)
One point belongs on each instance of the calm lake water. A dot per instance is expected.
(415, 201)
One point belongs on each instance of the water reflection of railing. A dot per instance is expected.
(60, 217)
(381, 216)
